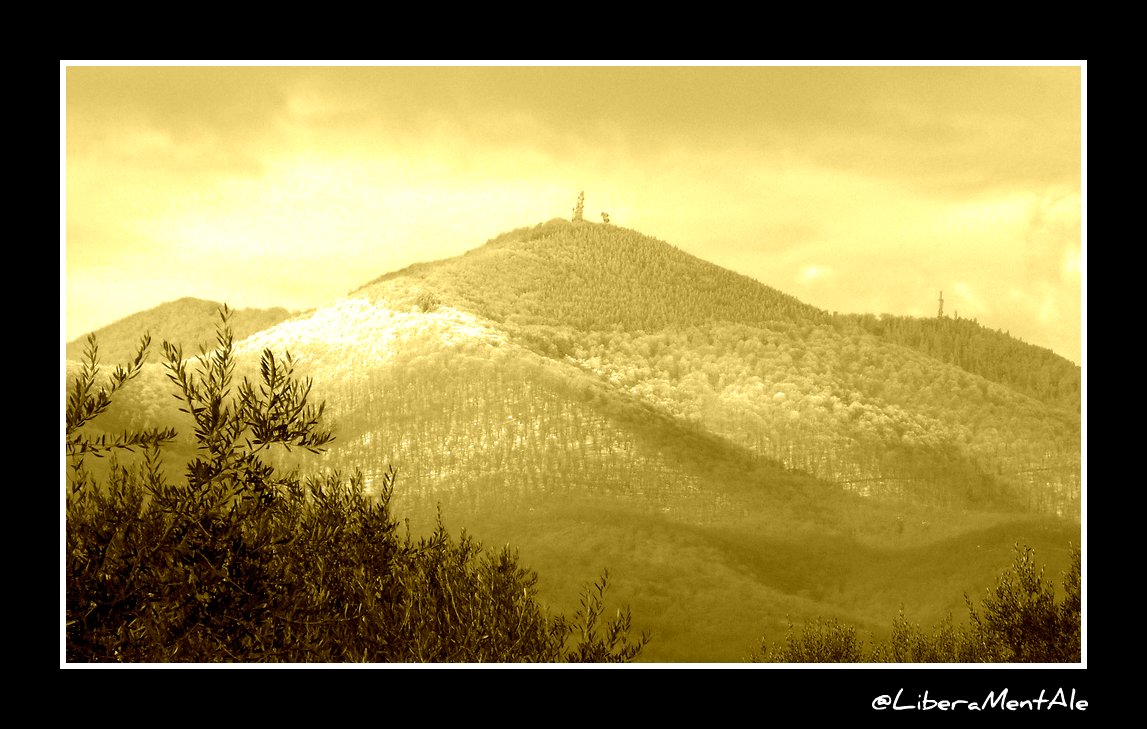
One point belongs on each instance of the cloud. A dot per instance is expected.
(943, 128)
(1053, 237)
(188, 103)
(890, 184)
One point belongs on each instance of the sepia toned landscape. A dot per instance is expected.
(554, 428)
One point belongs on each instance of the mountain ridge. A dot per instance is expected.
(539, 263)
(743, 360)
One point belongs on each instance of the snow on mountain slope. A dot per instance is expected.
(355, 333)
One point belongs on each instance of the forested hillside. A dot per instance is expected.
(599, 398)
(587, 276)
(991, 354)
(949, 411)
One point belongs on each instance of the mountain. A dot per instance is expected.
(859, 404)
(587, 277)
(736, 458)
(188, 322)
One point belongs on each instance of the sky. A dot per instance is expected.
(858, 189)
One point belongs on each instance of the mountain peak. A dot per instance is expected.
(594, 276)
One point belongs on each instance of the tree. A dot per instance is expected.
(579, 209)
(86, 402)
(238, 562)
(232, 435)
(1018, 622)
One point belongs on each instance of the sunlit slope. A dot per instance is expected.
(709, 542)
(875, 409)
(187, 322)
(457, 408)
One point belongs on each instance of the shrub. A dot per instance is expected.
(237, 562)
(1018, 622)
(426, 301)
(945, 643)
(820, 641)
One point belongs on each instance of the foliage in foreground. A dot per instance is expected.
(239, 563)
(1020, 621)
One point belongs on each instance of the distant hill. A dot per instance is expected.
(189, 322)
(737, 458)
(992, 354)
